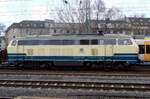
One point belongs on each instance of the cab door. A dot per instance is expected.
(147, 51)
(20, 50)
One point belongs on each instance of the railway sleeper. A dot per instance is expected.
(77, 85)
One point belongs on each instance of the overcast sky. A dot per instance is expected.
(18, 10)
(131, 7)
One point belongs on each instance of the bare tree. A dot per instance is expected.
(138, 16)
(113, 13)
(70, 14)
(98, 9)
(2, 28)
(76, 13)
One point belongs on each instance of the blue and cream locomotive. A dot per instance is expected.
(100, 50)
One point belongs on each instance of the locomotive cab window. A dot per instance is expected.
(147, 49)
(14, 42)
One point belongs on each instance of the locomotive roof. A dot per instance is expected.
(71, 37)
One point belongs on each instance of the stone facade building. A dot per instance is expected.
(139, 26)
(111, 26)
(130, 26)
(25, 28)
(46, 27)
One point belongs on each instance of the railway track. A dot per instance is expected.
(76, 97)
(82, 80)
(76, 85)
(82, 97)
(77, 73)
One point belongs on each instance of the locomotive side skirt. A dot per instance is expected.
(131, 58)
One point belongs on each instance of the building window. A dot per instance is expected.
(54, 30)
(109, 25)
(20, 25)
(61, 31)
(141, 20)
(123, 32)
(111, 31)
(41, 25)
(28, 25)
(29, 33)
(99, 26)
(68, 31)
(47, 25)
(34, 25)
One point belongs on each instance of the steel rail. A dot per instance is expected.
(70, 73)
(76, 85)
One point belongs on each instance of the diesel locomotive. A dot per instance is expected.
(101, 50)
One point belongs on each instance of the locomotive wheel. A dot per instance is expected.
(87, 64)
(118, 67)
(107, 65)
(44, 65)
(19, 65)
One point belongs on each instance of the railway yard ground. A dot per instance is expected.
(75, 84)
